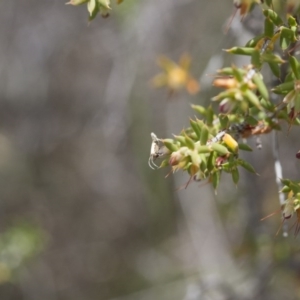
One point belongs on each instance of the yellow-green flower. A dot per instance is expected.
(176, 76)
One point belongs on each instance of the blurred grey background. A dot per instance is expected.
(82, 215)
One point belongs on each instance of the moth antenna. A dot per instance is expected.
(156, 166)
(149, 163)
(152, 164)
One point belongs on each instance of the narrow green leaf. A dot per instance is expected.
(246, 166)
(269, 28)
(270, 57)
(180, 139)
(289, 76)
(285, 181)
(238, 73)
(203, 158)
(219, 148)
(224, 121)
(222, 95)
(269, 106)
(199, 109)
(93, 9)
(91, 6)
(196, 128)
(204, 135)
(287, 36)
(211, 161)
(295, 66)
(169, 143)
(225, 71)
(275, 69)
(273, 17)
(252, 98)
(285, 189)
(255, 59)
(257, 79)
(284, 88)
(295, 188)
(215, 178)
(241, 50)
(200, 123)
(209, 116)
(195, 158)
(292, 21)
(226, 166)
(285, 39)
(245, 147)
(189, 142)
(193, 136)
(235, 175)
(253, 42)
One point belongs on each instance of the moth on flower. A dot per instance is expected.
(156, 150)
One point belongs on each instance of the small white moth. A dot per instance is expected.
(155, 151)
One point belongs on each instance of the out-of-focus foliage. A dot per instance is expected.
(18, 245)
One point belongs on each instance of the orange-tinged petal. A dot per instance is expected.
(192, 86)
(226, 83)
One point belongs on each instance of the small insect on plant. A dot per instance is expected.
(156, 150)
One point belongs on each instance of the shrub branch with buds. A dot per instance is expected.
(212, 143)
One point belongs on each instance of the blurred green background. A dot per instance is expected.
(82, 215)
